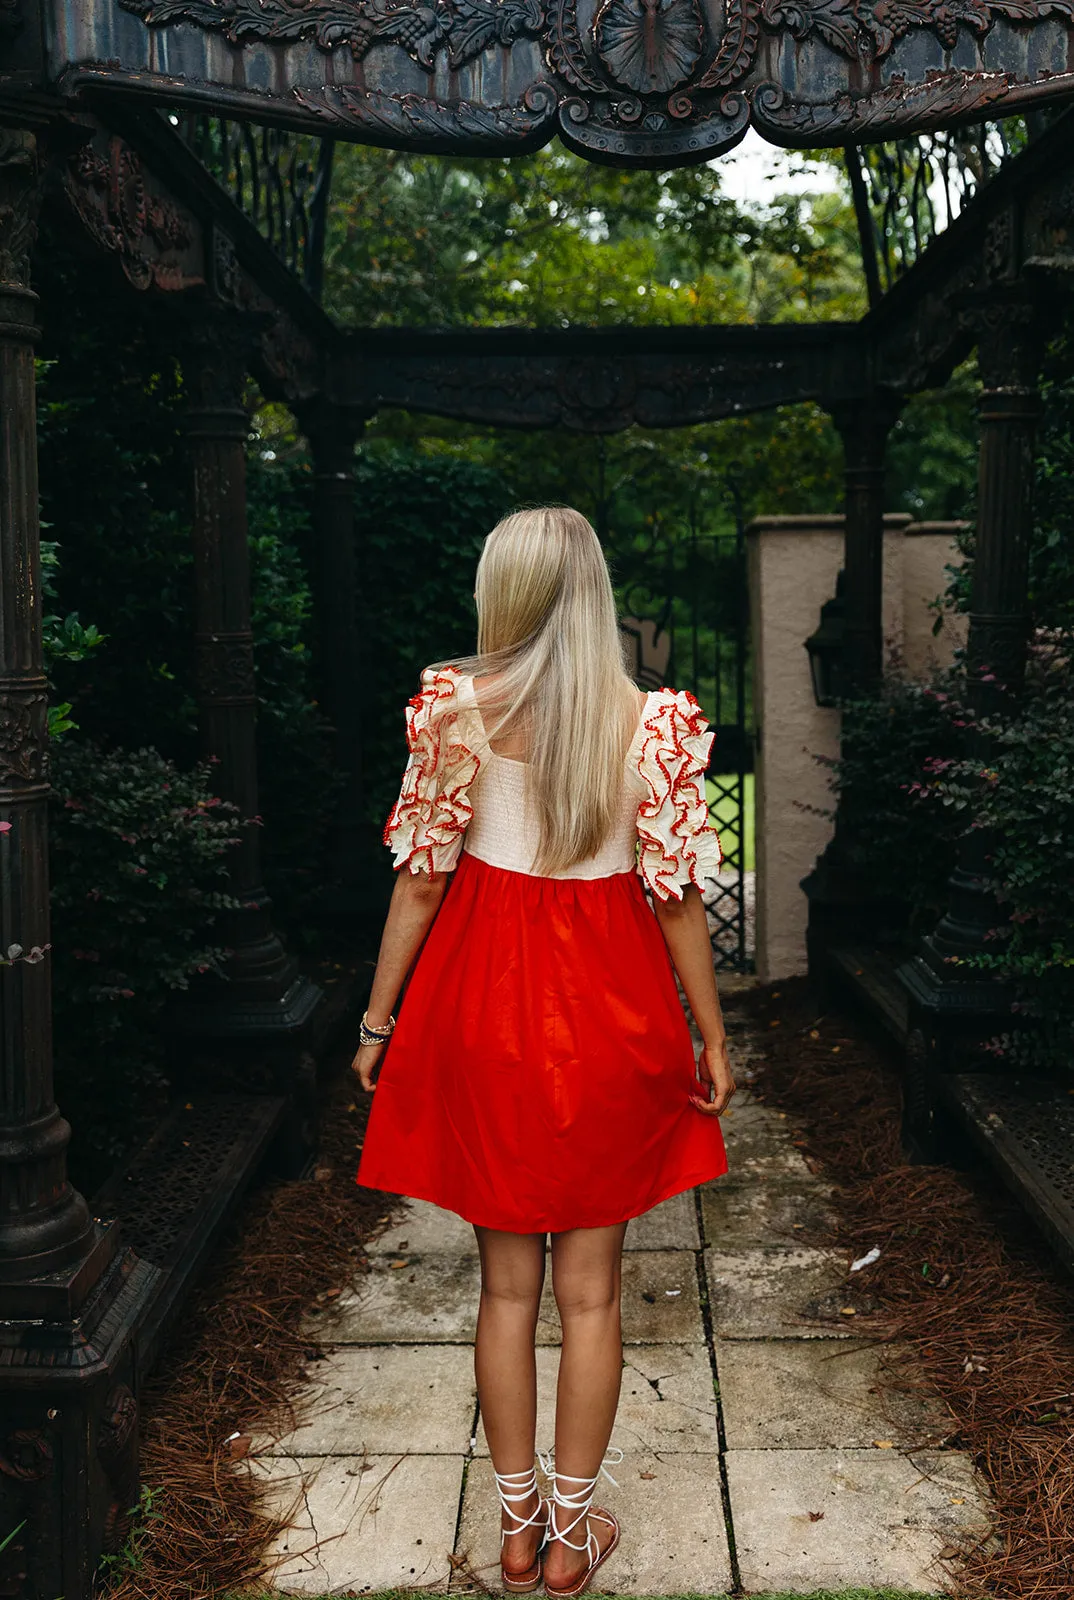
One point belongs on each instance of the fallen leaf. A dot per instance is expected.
(957, 1501)
(774, 1023)
(813, 1034)
(949, 1552)
(848, 1311)
(814, 1516)
(883, 1444)
(332, 1294)
(640, 1475)
(238, 1447)
(836, 1049)
(394, 1264)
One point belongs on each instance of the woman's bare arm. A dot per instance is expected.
(685, 927)
(415, 902)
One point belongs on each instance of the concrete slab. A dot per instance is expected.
(812, 1394)
(669, 1226)
(671, 1514)
(755, 1215)
(661, 1304)
(759, 1149)
(424, 1229)
(380, 1399)
(745, 1108)
(781, 1294)
(432, 1299)
(383, 1522)
(667, 1404)
(816, 1519)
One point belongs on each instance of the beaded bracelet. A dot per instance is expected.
(368, 1035)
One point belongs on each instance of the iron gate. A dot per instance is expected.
(685, 614)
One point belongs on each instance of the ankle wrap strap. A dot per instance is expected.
(514, 1488)
(577, 1500)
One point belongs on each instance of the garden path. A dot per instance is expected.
(758, 1452)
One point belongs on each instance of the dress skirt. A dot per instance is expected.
(540, 1073)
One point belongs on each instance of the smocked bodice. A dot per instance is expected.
(458, 794)
(504, 832)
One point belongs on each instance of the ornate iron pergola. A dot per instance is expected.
(189, 142)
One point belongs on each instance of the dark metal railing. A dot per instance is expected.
(908, 192)
(281, 180)
(683, 599)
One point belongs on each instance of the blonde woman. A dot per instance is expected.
(542, 1079)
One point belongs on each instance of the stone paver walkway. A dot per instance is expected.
(757, 1450)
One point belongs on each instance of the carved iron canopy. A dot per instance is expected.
(641, 82)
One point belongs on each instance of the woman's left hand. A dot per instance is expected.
(366, 1062)
(717, 1082)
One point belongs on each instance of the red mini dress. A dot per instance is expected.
(540, 1073)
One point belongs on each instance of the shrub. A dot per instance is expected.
(298, 784)
(894, 749)
(1022, 793)
(138, 861)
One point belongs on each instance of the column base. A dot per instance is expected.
(69, 1477)
(843, 911)
(248, 1017)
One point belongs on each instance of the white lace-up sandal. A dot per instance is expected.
(514, 1488)
(580, 1501)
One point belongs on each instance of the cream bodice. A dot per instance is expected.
(458, 794)
(503, 830)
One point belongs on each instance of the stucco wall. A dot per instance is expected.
(793, 563)
(928, 548)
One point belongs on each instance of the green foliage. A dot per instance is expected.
(421, 522)
(298, 783)
(138, 861)
(1051, 561)
(550, 239)
(1022, 794)
(131, 1558)
(893, 750)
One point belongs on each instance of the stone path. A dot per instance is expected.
(758, 1452)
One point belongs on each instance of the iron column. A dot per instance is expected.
(265, 995)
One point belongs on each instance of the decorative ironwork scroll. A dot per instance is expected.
(642, 82)
(278, 178)
(909, 191)
(129, 215)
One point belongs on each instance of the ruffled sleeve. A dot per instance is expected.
(426, 825)
(678, 845)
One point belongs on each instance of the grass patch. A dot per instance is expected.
(816, 1594)
(724, 813)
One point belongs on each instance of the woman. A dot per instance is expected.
(542, 1079)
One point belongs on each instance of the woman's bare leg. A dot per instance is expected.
(587, 1279)
(512, 1276)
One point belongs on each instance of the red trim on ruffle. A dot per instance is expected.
(677, 717)
(426, 817)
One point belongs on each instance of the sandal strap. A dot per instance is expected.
(578, 1500)
(513, 1488)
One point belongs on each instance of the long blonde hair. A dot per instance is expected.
(549, 639)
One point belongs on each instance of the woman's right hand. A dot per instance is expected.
(717, 1080)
